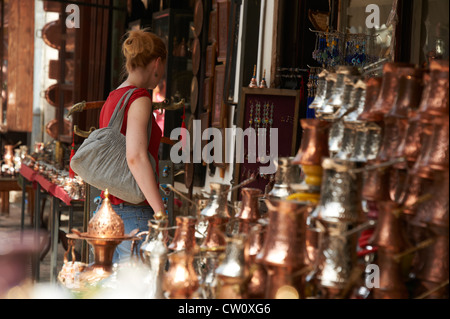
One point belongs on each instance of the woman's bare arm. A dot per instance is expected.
(139, 114)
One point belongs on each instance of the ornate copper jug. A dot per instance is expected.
(249, 212)
(184, 237)
(314, 144)
(373, 87)
(180, 281)
(389, 89)
(436, 96)
(283, 252)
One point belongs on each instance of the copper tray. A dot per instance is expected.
(195, 56)
(198, 17)
(52, 128)
(194, 94)
(52, 95)
(51, 34)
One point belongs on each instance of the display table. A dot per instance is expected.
(7, 184)
(60, 201)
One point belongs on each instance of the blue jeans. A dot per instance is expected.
(133, 217)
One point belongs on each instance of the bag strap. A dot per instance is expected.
(119, 113)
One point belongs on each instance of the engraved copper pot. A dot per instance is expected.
(390, 229)
(314, 144)
(249, 212)
(436, 97)
(392, 72)
(184, 237)
(215, 233)
(218, 203)
(284, 250)
(435, 210)
(434, 155)
(256, 283)
(409, 97)
(436, 267)
(321, 90)
(392, 285)
(376, 183)
(230, 272)
(180, 281)
(373, 87)
(340, 195)
(338, 257)
(286, 174)
(394, 131)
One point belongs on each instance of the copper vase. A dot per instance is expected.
(392, 72)
(436, 99)
(390, 229)
(435, 153)
(249, 211)
(392, 284)
(373, 87)
(184, 237)
(180, 281)
(314, 144)
(284, 246)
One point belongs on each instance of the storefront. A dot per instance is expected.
(312, 160)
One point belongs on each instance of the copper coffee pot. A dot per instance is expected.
(249, 212)
(255, 284)
(436, 96)
(180, 281)
(314, 144)
(215, 233)
(435, 153)
(373, 87)
(392, 72)
(286, 174)
(390, 229)
(331, 79)
(392, 284)
(436, 266)
(367, 142)
(284, 246)
(184, 237)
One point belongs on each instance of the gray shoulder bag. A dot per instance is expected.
(101, 159)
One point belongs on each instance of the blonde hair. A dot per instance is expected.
(142, 47)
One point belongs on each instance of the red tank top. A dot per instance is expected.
(105, 116)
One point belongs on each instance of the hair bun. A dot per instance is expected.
(137, 43)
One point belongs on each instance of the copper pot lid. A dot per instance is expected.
(198, 17)
(51, 34)
(194, 94)
(52, 128)
(52, 95)
(195, 56)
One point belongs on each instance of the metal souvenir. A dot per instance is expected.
(180, 281)
(314, 144)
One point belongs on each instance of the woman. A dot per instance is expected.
(145, 55)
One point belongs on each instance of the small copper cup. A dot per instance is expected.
(314, 144)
